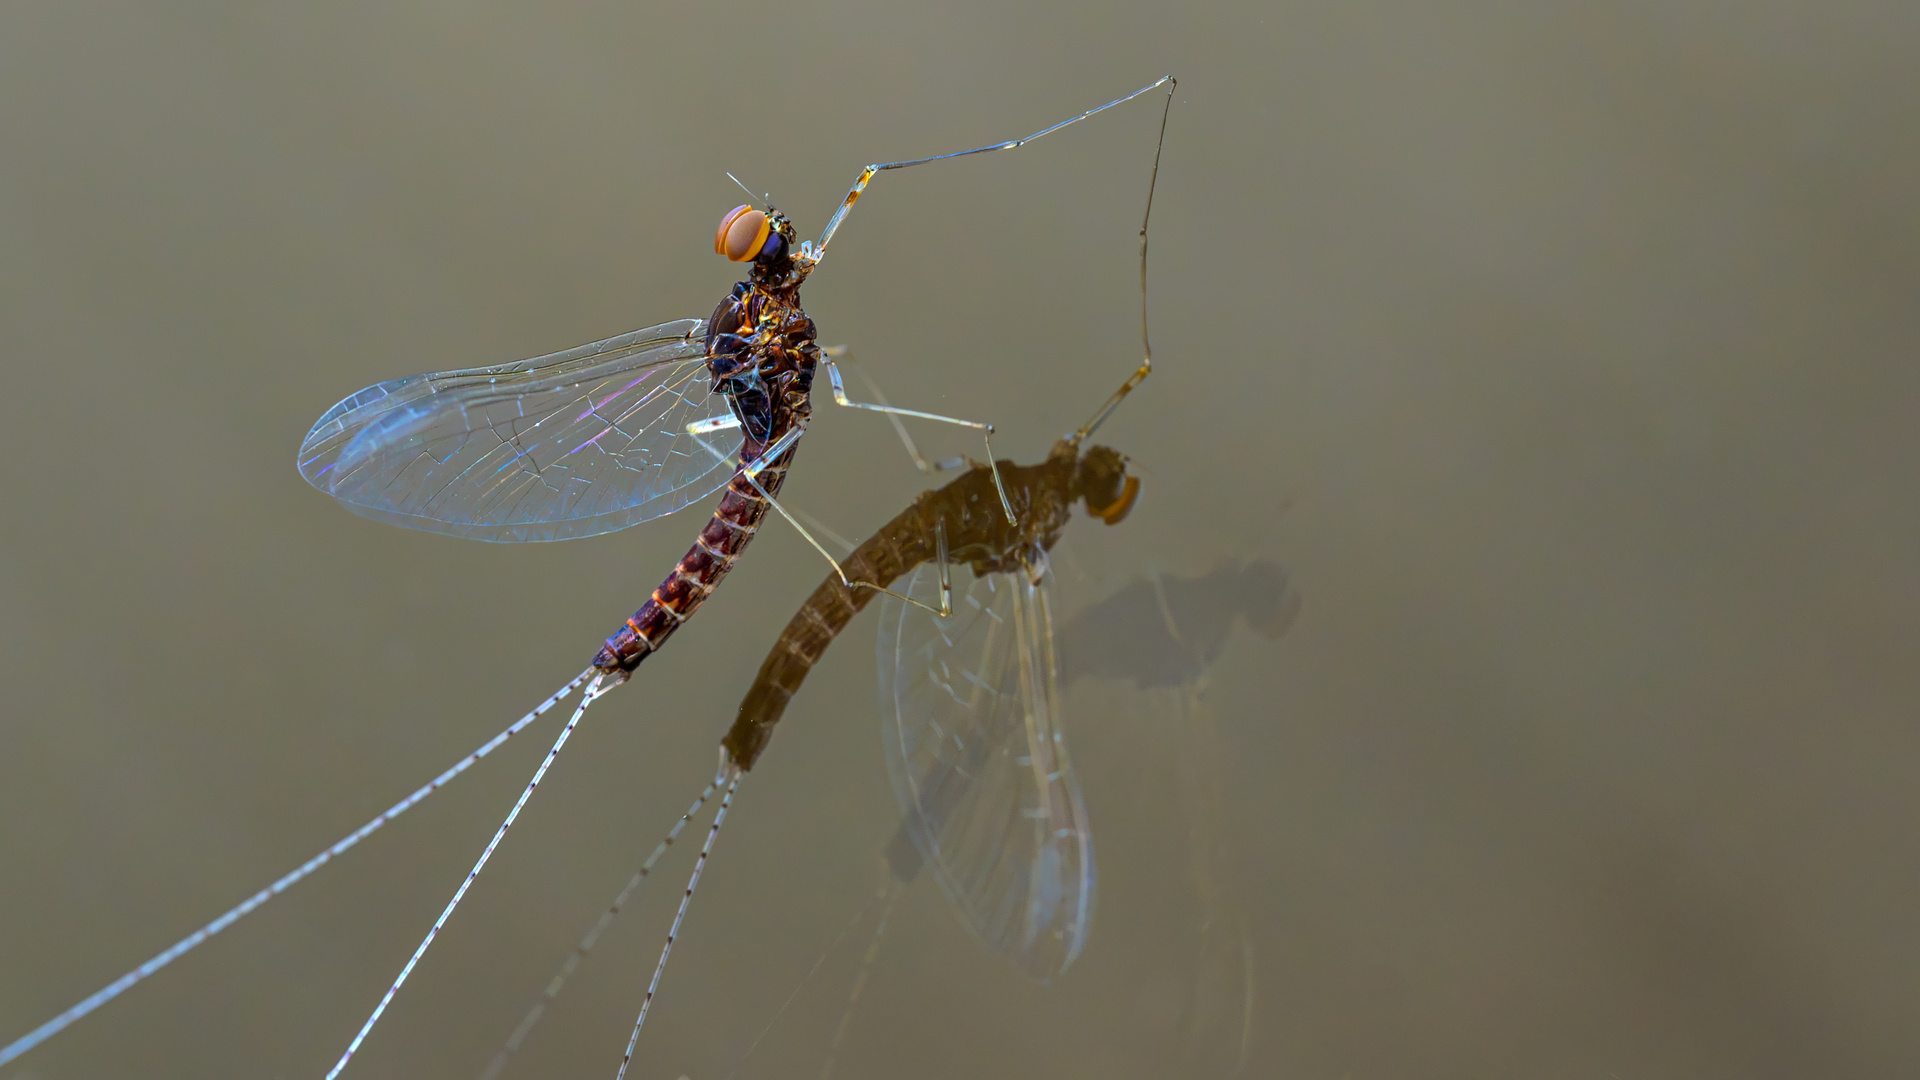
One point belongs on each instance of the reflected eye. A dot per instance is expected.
(743, 234)
(1116, 511)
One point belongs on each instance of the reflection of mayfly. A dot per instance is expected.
(964, 721)
(587, 441)
(969, 700)
(1011, 845)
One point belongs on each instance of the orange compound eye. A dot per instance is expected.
(726, 222)
(742, 234)
(1122, 506)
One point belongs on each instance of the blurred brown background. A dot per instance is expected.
(1565, 359)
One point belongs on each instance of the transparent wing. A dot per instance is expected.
(970, 724)
(572, 444)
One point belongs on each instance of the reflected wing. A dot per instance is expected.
(573, 444)
(970, 724)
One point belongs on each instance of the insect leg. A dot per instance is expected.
(1146, 347)
(844, 352)
(986, 430)
(818, 249)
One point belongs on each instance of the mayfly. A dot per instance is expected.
(588, 441)
(999, 520)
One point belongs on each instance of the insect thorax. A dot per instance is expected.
(761, 354)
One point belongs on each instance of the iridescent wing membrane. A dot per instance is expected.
(572, 444)
(970, 724)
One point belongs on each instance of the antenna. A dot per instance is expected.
(765, 203)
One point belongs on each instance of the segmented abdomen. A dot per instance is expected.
(699, 571)
(978, 536)
(767, 384)
(905, 542)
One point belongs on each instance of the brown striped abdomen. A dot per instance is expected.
(903, 544)
(698, 572)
